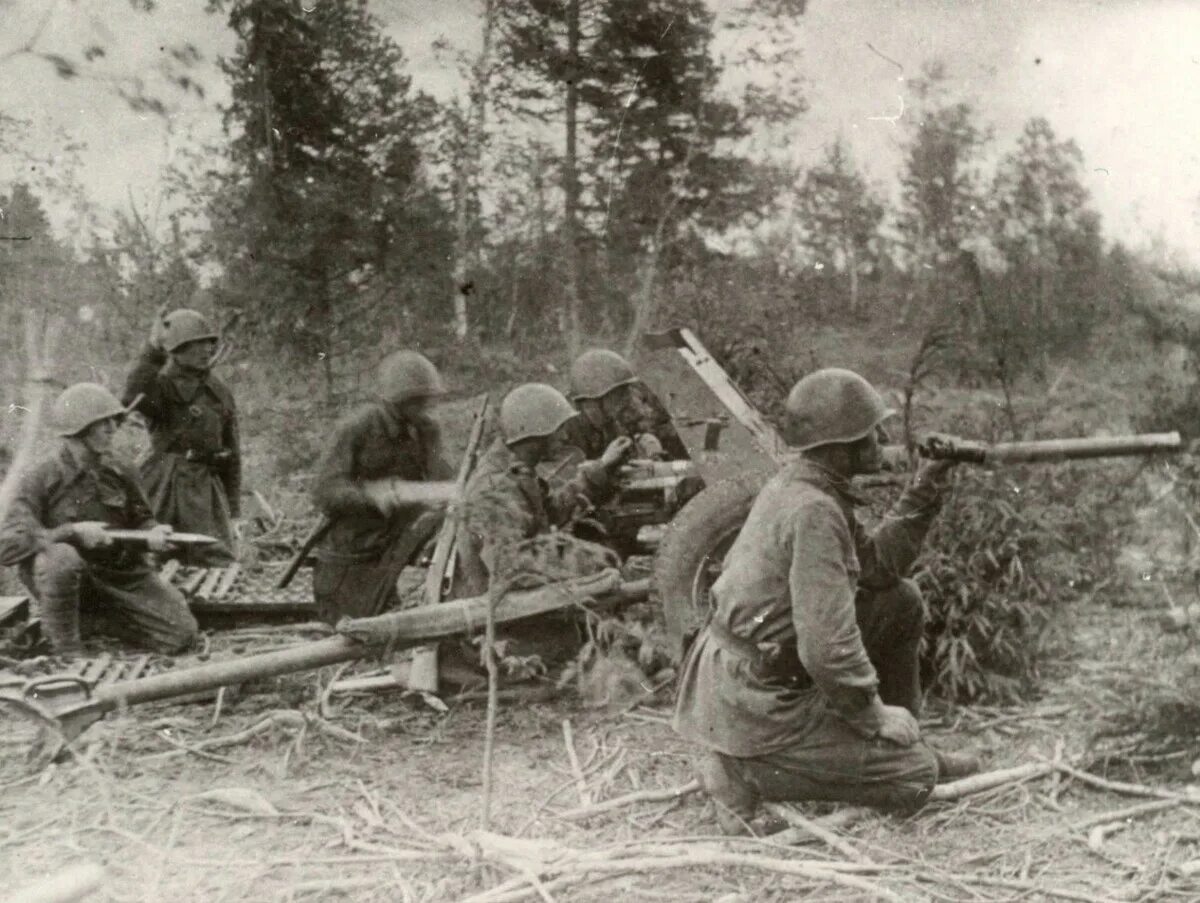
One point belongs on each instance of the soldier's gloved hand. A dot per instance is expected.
(934, 473)
(616, 453)
(649, 447)
(156, 541)
(891, 722)
(897, 724)
(91, 534)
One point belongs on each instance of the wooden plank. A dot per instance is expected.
(192, 580)
(169, 569)
(94, 670)
(133, 670)
(226, 582)
(210, 581)
(13, 608)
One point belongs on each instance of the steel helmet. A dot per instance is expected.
(832, 405)
(533, 410)
(183, 326)
(597, 372)
(83, 404)
(404, 375)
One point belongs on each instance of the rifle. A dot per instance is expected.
(438, 577)
(142, 538)
(1039, 451)
(315, 535)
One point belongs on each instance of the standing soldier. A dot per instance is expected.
(614, 402)
(805, 684)
(193, 472)
(371, 538)
(507, 502)
(55, 535)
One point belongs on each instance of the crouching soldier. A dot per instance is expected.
(804, 685)
(193, 472)
(613, 402)
(507, 502)
(55, 535)
(371, 538)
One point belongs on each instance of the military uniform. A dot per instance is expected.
(193, 472)
(115, 586)
(591, 439)
(506, 502)
(812, 617)
(364, 549)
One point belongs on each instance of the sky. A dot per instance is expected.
(1120, 77)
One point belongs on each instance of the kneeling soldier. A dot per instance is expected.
(370, 540)
(804, 685)
(55, 535)
(507, 502)
(614, 402)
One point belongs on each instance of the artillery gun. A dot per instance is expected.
(687, 513)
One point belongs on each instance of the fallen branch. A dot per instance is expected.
(956, 790)
(576, 867)
(631, 799)
(72, 883)
(1107, 823)
(1121, 787)
(798, 820)
(581, 787)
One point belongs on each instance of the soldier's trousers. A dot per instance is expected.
(835, 763)
(138, 606)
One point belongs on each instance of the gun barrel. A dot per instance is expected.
(1053, 450)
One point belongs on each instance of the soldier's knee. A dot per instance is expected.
(58, 564)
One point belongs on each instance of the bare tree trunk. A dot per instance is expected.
(644, 306)
(468, 175)
(40, 360)
(571, 184)
(852, 267)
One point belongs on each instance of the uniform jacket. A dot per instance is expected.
(193, 418)
(506, 501)
(592, 440)
(63, 489)
(789, 584)
(373, 443)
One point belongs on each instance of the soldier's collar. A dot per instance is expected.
(76, 459)
(823, 478)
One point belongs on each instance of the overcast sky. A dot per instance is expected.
(1121, 77)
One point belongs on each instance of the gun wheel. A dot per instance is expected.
(690, 556)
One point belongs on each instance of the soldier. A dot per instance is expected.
(804, 685)
(193, 472)
(371, 538)
(54, 534)
(506, 500)
(614, 402)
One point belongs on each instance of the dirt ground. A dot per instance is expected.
(382, 799)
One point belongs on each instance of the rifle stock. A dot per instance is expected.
(443, 550)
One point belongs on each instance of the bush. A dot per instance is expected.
(1010, 548)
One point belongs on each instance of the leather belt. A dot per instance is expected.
(770, 662)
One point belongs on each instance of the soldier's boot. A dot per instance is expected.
(58, 573)
(736, 803)
(954, 765)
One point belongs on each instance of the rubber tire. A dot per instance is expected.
(706, 525)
